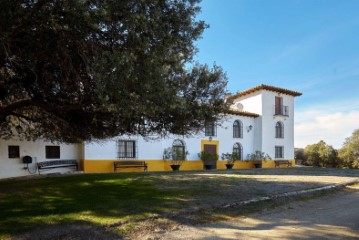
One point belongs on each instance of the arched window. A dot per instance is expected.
(237, 129)
(279, 130)
(237, 149)
(178, 150)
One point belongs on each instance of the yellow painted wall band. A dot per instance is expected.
(106, 166)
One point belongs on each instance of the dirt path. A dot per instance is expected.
(329, 217)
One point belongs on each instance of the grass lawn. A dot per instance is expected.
(124, 200)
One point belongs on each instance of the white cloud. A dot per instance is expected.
(333, 127)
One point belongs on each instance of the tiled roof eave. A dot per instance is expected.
(242, 113)
(268, 88)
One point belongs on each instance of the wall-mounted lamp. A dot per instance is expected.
(18, 129)
(249, 128)
(210, 138)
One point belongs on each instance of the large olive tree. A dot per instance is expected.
(73, 70)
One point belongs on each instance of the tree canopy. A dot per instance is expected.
(349, 153)
(320, 155)
(74, 70)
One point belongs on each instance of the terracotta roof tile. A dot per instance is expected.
(269, 88)
(242, 113)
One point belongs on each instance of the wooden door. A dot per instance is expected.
(278, 105)
(211, 148)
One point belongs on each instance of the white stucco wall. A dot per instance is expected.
(269, 121)
(262, 102)
(253, 103)
(225, 135)
(261, 137)
(14, 167)
(148, 149)
(250, 102)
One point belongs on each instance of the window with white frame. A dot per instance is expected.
(237, 129)
(279, 152)
(127, 149)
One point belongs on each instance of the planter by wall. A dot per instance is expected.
(229, 165)
(175, 167)
(208, 166)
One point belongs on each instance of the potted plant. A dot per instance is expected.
(258, 157)
(230, 158)
(209, 159)
(176, 156)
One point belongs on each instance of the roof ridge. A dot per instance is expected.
(268, 88)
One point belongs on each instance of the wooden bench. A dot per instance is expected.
(285, 162)
(130, 164)
(50, 164)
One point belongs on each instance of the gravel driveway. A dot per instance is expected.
(334, 216)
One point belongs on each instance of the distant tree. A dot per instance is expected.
(299, 155)
(321, 155)
(73, 70)
(349, 153)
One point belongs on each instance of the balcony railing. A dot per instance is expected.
(280, 110)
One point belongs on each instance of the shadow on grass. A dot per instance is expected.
(103, 199)
(99, 199)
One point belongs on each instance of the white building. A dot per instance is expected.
(260, 119)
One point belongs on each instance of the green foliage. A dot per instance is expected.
(349, 153)
(208, 157)
(258, 155)
(74, 70)
(321, 155)
(175, 155)
(230, 157)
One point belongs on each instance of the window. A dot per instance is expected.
(14, 151)
(279, 152)
(210, 129)
(237, 149)
(279, 130)
(178, 150)
(126, 149)
(52, 152)
(237, 129)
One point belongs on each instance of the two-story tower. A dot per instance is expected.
(274, 128)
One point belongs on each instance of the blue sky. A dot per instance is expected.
(311, 46)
